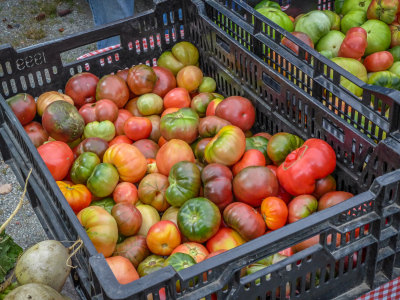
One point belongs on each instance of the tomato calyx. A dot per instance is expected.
(294, 157)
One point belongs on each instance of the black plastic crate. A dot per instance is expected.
(280, 106)
(315, 74)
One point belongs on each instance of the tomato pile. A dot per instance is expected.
(361, 36)
(156, 165)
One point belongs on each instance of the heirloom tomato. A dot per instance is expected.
(301, 207)
(78, 196)
(123, 115)
(114, 88)
(226, 239)
(23, 107)
(103, 180)
(125, 192)
(251, 157)
(101, 228)
(245, 220)
(83, 167)
(58, 158)
(301, 168)
(163, 237)
(195, 250)
(171, 153)
(133, 248)
(137, 128)
(128, 217)
(152, 190)
(280, 145)
(274, 212)
(238, 111)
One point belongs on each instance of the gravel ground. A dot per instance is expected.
(19, 27)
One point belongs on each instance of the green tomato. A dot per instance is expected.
(199, 219)
(327, 54)
(200, 102)
(183, 54)
(338, 6)
(267, 4)
(184, 183)
(334, 18)
(106, 203)
(180, 261)
(281, 145)
(83, 167)
(278, 17)
(259, 143)
(385, 79)
(396, 53)
(182, 125)
(103, 180)
(315, 24)
(379, 36)
(355, 18)
(349, 5)
(150, 264)
(103, 129)
(208, 85)
(150, 104)
(331, 42)
(354, 67)
(395, 68)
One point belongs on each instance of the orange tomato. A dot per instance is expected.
(162, 142)
(163, 237)
(252, 157)
(123, 269)
(195, 250)
(171, 153)
(129, 161)
(177, 97)
(125, 192)
(225, 238)
(138, 128)
(78, 196)
(170, 111)
(121, 139)
(274, 212)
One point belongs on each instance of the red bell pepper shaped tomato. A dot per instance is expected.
(301, 168)
(354, 44)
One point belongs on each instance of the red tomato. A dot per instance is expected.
(264, 134)
(123, 115)
(212, 106)
(237, 110)
(78, 196)
(36, 133)
(177, 97)
(170, 111)
(275, 212)
(165, 81)
(147, 147)
(23, 107)
(293, 46)
(303, 166)
(323, 186)
(125, 192)
(333, 198)
(253, 184)
(163, 237)
(137, 128)
(122, 139)
(215, 253)
(225, 238)
(252, 157)
(354, 44)
(301, 207)
(58, 157)
(379, 61)
(195, 250)
(101, 110)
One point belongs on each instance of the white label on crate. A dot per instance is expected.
(30, 61)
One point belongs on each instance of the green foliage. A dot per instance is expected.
(9, 252)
